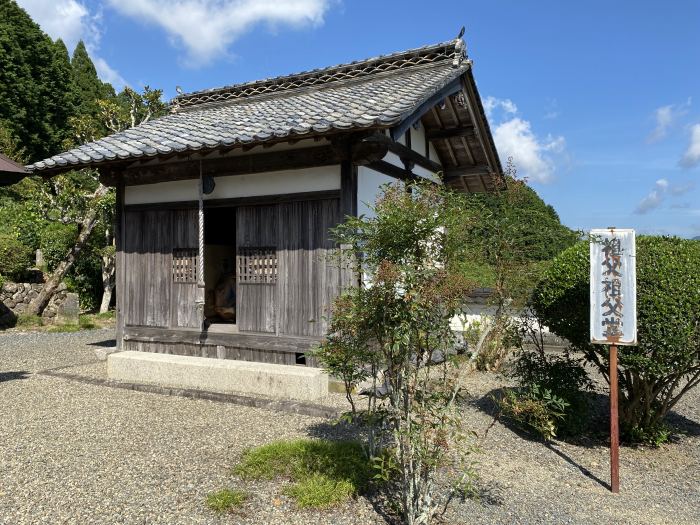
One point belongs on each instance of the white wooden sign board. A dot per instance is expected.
(613, 287)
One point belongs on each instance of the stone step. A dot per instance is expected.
(218, 375)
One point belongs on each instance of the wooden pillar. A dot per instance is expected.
(348, 188)
(119, 262)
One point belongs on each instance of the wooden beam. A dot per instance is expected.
(450, 89)
(479, 169)
(238, 165)
(465, 131)
(404, 153)
(393, 171)
(238, 201)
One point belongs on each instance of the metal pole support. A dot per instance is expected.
(614, 425)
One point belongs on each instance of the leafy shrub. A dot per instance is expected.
(564, 378)
(15, 257)
(226, 500)
(85, 277)
(56, 239)
(534, 409)
(665, 364)
(325, 472)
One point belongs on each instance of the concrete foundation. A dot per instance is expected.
(218, 375)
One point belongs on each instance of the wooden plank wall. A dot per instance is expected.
(308, 275)
(257, 303)
(310, 278)
(185, 235)
(151, 297)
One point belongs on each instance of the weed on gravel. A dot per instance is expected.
(325, 473)
(225, 500)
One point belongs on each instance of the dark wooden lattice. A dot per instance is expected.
(185, 265)
(257, 265)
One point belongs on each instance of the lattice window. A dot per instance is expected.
(185, 265)
(257, 265)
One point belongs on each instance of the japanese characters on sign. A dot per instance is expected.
(613, 287)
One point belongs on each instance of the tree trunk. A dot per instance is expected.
(36, 307)
(108, 271)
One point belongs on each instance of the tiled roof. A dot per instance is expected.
(373, 93)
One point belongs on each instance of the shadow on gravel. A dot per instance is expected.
(683, 425)
(10, 376)
(583, 470)
(107, 343)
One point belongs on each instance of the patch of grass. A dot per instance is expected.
(29, 321)
(325, 473)
(226, 500)
(318, 491)
(64, 328)
(86, 322)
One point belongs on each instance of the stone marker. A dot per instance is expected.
(68, 311)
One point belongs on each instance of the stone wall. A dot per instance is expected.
(15, 298)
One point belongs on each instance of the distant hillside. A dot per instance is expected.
(696, 238)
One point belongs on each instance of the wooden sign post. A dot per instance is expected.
(613, 314)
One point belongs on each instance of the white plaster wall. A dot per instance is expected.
(369, 183)
(324, 178)
(417, 145)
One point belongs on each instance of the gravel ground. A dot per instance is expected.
(77, 453)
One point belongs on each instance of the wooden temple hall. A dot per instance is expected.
(224, 205)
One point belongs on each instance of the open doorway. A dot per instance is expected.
(220, 268)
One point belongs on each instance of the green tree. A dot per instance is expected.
(513, 236)
(34, 85)
(90, 202)
(665, 364)
(394, 330)
(88, 88)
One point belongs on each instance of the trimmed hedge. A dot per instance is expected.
(665, 363)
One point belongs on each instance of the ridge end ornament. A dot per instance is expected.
(460, 49)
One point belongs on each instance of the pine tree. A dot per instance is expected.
(35, 83)
(88, 87)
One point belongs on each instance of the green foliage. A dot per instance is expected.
(394, 330)
(534, 409)
(15, 257)
(226, 500)
(665, 364)
(28, 321)
(325, 472)
(35, 83)
(514, 233)
(562, 376)
(56, 240)
(88, 88)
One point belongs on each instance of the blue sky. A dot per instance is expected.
(598, 102)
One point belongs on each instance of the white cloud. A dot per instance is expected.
(493, 103)
(72, 21)
(691, 157)
(108, 74)
(206, 28)
(655, 197)
(666, 117)
(68, 20)
(658, 194)
(515, 138)
(534, 156)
